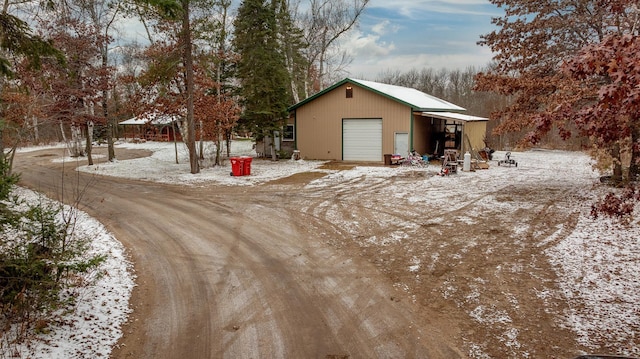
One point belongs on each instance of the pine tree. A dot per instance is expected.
(261, 68)
(291, 39)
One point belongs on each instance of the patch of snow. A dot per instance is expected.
(92, 327)
(599, 265)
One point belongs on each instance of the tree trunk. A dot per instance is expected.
(89, 142)
(175, 139)
(634, 166)
(36, 137)
(617, 164)
(218, 149)
(201, 141)
(227, 135)
(188, 62)
(274, 154)
(321, 62)
(221, 44)
(76, 139)
(64, 138)
(105, 112)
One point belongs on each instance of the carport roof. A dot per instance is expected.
(454, 116)
(417, 100)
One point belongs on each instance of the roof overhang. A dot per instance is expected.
(134, 121)
(152, 119)
(454, 116)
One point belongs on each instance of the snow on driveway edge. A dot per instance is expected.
(94, 325)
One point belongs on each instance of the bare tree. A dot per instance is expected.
(325, 22)
(102, 14)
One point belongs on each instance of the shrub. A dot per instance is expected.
(39, 258)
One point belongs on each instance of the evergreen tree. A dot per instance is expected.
(291, 39)
(40, 257)
(16, 39)
(261, 69)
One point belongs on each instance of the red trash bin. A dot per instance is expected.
(237, 165)
(246, 168)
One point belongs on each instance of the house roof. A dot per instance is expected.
(134, 121)
(454, 116)
(417, 100)
(152, 119)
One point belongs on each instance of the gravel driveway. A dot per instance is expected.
(242, 273)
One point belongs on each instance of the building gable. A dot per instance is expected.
(416, 100)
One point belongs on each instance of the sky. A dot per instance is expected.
(604, 298)
(401, 35)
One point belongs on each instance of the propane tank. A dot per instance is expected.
(467, 162)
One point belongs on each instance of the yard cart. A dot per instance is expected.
(508, 160)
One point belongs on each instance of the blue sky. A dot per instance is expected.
(406, 34)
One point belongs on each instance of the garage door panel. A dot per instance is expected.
(362, 139)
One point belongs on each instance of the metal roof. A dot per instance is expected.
(454, 116)
(417, 100)
(152, 119)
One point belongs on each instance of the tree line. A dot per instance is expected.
(571, 68)
(68, 66)
(562, 74)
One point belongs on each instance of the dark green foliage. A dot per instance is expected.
(16, 38)
(293, 45)
(261, 69)
(7, 180)
(165, 9)
(39, 255)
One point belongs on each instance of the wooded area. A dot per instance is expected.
(70, 64)
(566, 74)
(562, 76)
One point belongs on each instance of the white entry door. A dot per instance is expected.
(362, 139)
(401, 143)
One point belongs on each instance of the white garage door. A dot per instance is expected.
(362, 139)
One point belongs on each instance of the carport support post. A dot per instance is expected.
(411, 130)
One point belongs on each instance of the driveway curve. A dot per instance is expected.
(226, 272)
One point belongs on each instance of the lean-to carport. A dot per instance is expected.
(433, 132)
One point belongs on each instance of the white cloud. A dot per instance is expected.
(371, 66)
(358, 44)
(405, 34)
(384, 27)
(414, 8)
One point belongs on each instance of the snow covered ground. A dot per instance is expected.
(598, 264)
(91, 327)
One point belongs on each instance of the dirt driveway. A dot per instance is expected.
(290, 270)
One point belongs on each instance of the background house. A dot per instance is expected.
(357, 120)
(152, 127)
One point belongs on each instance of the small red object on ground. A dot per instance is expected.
(246, 168)
(237, 166)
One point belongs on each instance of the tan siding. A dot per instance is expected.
(476, 132)
(421, 134)
(319, 122)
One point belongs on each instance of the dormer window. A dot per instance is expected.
(349, 92)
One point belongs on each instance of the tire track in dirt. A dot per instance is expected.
(261, 281)
(358, 319)
(466, 268)
(520, 315)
